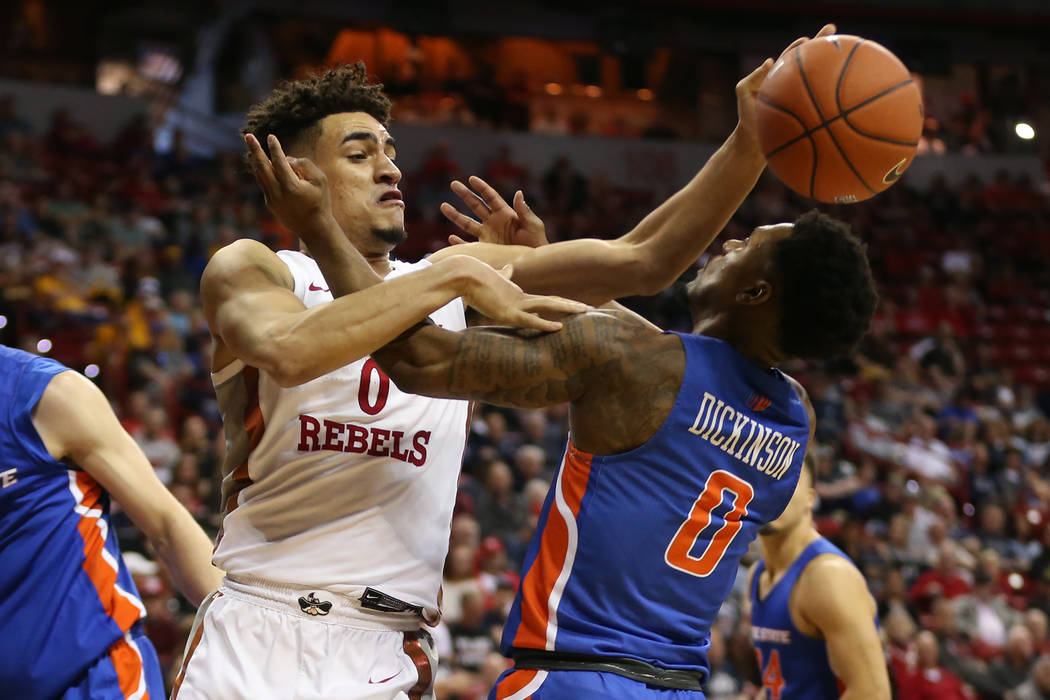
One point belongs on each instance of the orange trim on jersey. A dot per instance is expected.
(514, 682)
(101, 574)
(539, 582)
(128, 664)
(254, 426)
(193, 647)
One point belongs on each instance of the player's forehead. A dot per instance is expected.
(772, 232)
(343, 127)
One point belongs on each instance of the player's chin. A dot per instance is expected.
(391, 213)
(768, 529)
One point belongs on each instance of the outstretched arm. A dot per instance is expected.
(654, 253)
(75, 421)
(520, 369)
(651, 256)
(622, 377)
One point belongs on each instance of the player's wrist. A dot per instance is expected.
(743, 143)
(321, 228)
(460, 274)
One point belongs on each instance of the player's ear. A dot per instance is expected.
(757, 292)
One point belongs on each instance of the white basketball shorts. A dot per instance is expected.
(256, 640)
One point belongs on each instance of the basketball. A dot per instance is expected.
(839, 119)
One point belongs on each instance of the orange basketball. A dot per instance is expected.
(839, 119)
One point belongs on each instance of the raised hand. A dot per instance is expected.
(295, 189)
(747, 89)
(497, 222)
(492, 294)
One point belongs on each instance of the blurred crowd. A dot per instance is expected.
(933, 440)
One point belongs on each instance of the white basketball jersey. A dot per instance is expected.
(343, 482)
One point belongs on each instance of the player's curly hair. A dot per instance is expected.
(293, 110)
(828, 291)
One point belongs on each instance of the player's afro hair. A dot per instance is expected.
(828, 293)
(294, 109)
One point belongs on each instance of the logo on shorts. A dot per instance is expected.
(318, 288)
(312, 606)
(388, 678)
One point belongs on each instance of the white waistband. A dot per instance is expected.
(316, 604)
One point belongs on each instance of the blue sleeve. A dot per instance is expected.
(25, 395)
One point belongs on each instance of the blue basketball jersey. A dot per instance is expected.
(65, 594)
(635, 552)
(793, 666)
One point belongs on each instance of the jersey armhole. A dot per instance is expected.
(796, 587)
(291, 261)
(34, 442)
(664, 426)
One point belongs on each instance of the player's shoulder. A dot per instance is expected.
(752, 572)
(831, 576)
(241, 257)
(803, 395)
(72, 393)
(615, 331)
(830, 592)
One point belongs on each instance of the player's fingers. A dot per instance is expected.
(525, 319)
(261, 167)
(520, 207)
(475, 203)
(507, 271)
(460, 220)
(554, 306)
(525, 212)
(455, 240)
(491, 196)
(797, 42)
(307, 170)
(285, 175)
(753, 81)
(827, 30)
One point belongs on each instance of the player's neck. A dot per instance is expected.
(760, 350)
(380, 262)
(781, 549)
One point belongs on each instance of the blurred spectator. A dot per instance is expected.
(724, 683)
(1037, 623)
(1037, 686)
(1007, 673)
(158, 443)
(928, 679)
(986, 614)
(459, 580)
(471, 638)
(499, 510)
(530, 462)
(944, 579)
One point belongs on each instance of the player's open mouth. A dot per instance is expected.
(391, 198)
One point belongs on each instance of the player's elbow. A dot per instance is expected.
(642, 270)
(408, 373)
(873, 684)
(289, 370)
(282, 363)
(874, 692)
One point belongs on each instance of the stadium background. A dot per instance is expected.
(120, 174)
